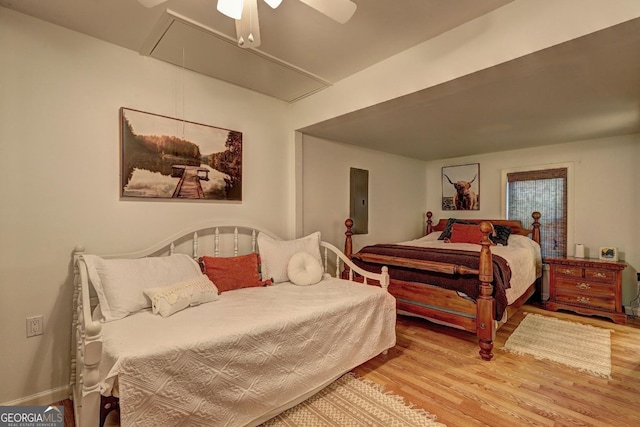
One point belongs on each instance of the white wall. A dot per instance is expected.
(60, 93)
(397, 192)
(605, 197)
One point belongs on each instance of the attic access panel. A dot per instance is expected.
(186, 43)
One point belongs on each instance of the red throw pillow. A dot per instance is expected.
(229, 273)
(465, 233)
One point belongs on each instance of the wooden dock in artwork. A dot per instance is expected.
(189, 186)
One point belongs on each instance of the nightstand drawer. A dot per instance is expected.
(563, 270)
(590, 299)
(600, 275)
(581, 285)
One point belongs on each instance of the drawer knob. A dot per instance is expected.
(583, 300)
(583, 286)
(600, 275)
(565, 271)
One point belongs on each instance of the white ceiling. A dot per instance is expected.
(583, 89)
(293, 34)
(586, 88)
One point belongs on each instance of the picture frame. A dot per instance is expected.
(461, 187)
(174, 159)
(608, 253)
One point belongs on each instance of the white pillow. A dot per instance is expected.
(120, 283)
(171, 299)
(275, 254)
(433, 236)
(303, 269)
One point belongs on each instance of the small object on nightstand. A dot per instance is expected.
(586, 286)
(579, 252)
(608, 253)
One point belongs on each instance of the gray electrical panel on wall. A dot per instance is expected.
(359, 200)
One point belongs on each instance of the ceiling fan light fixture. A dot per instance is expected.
(273, 3)
(248, 28)
(231, 8)
(245, 13)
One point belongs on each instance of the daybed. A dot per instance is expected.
(166, 348)
(465, 279)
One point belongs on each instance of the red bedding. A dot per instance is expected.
(467, 284)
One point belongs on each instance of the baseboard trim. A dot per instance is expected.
(40, 399)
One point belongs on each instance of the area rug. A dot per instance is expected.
(352, 402)
(584, 347)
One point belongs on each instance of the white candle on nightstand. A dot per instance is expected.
(579, 253)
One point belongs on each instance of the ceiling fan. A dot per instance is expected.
(245, 13)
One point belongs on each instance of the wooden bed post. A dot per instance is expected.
(429, 227)
(535, 234)
(348, 245)
(485, 328)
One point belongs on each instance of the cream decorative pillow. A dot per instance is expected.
(275, 254)
(171, 299)
(120, 283)
(303, 269)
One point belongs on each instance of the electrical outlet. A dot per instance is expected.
(35, 326)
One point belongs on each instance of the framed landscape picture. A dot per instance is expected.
(168, 158)
(461, 187)
(608, 253)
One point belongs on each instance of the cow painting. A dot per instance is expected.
(459, 191)
(465, 198)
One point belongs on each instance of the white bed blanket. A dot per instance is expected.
(228, 362)
(522, 254)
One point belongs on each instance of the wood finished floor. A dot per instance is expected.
(438, 369)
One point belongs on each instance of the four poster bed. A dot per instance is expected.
(471, 274)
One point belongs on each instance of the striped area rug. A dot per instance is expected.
(584, 347)
(352, 402)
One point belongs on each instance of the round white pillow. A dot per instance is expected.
(304, 269)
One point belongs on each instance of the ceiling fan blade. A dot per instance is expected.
(338, 10)
(273, 3)
(248, 27)
(150, 3)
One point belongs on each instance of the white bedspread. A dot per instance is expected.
(522, 254)
(228, 362)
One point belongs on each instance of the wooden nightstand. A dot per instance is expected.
(586, 286)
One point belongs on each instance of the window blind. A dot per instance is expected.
(545, 191)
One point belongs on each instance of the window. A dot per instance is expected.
(545, 191)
